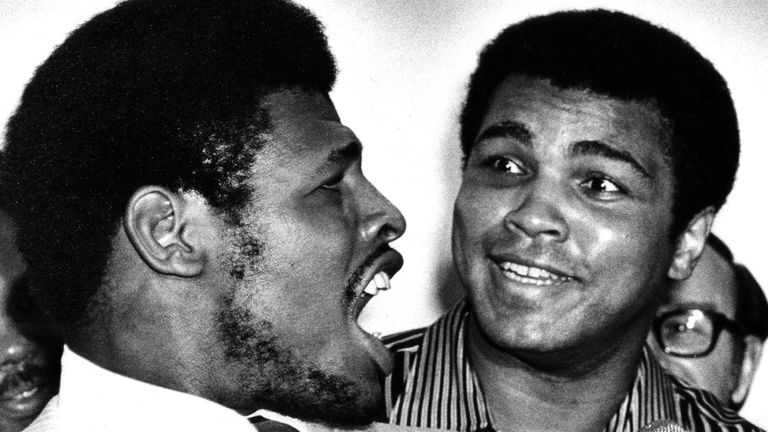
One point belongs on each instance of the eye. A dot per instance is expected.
(504, 165)
(601, 185)
(686, 330)
(333, 182)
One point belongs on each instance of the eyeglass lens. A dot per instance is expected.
(687, 333)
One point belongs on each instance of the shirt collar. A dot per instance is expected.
(94, 398)
(651, 397)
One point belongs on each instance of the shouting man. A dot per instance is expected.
(194, 217)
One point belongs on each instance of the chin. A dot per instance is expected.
(334, 405)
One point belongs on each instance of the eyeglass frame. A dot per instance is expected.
(719, 322)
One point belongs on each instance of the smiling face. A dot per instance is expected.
(312, 239)
(28, 367)
(562, 223)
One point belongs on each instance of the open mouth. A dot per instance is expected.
(531, 275)
(25, 387)
(375, 278)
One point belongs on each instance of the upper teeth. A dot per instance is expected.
(531, 275)
(380, 282)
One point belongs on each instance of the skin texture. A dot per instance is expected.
(548, 184)
(27, 368)
(318, 222)
(275, 294)
(728, 370)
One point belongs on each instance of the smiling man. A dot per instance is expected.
(598, 148)
(195, 218)
(29, 348)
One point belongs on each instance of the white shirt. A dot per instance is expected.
(92, 398)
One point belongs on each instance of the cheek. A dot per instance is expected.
(468, 224)
(623, 246)
(476, 212)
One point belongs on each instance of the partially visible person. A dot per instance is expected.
(710, 331)
(29, 348)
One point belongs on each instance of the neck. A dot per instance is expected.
(565, 391)
(136, 339)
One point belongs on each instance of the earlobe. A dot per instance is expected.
(690, 245)
(753, 348)
(155, 222)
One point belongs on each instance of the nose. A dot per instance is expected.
(380, 220)
(537, 212)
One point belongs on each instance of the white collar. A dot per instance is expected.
(93, 398)
(299, 425)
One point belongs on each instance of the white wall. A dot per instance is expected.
(404, 64)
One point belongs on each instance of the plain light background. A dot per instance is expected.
(404, 65)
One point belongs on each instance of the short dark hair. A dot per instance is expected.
(624, 57)
(165, 93)
(751, 304)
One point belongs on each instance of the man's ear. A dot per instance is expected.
(690, 244)
(155, 222)
(753, 348)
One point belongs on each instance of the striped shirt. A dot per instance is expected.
(434, 385)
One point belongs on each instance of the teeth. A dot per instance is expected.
(520, 269)
(377, 335)
(531, 275)
(380, 282)
(371, 289)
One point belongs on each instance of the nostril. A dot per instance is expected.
(389, 233)
(383, 227)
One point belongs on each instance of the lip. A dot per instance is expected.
(28, 403)
(390, 262)
(27, 398)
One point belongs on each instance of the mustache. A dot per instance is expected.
(357, 276)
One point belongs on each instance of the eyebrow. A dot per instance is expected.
(507, 129)
(599, 148)
(351, 151)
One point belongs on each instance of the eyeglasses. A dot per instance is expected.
(691, 332)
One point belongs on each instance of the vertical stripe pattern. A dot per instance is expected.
(433, 385)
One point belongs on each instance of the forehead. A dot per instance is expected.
(712, 285)
(306, 141)
(304, 121)
(552, 112)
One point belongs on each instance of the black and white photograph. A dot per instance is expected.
(383, 216)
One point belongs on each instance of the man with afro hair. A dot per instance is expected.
(194, 218)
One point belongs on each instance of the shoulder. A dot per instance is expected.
(700, 410)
